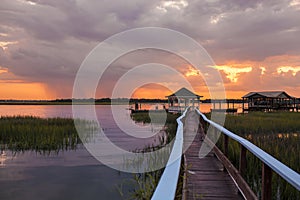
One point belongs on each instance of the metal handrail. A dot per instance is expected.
(166, 188)
(282, 170)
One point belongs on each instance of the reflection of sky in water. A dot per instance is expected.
(105, 118)
(66, 110)
(76, 157)
(69, 174)
(57, 182)
(66, 175)
(36, 110)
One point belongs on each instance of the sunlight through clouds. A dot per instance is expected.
(263, 70)
(172, 4)
(285, 69)
(295, 4)
(3, 34)
(32, 3)
(216, 19)
(4, 45)
(233, 73)
(250, 41)
(192, 72)
(3, 70)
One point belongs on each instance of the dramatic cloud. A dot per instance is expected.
(233, 72)
(286, 69)
(44, 42)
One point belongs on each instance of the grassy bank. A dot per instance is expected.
(21, 133)
(276, 133)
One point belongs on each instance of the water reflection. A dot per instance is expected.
(64, 174)
(278, 135)
(65, 111)
(3, 158)
(287, 135)
(43, 111)
(58, 182)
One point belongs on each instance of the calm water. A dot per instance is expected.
(66, 110)
(72, 174)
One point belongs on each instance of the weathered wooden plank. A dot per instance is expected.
(206, 178)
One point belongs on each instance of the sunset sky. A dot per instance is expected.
(255, 44)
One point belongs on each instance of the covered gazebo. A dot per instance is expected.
(181, 99)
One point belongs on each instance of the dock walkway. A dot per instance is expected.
(206, 177)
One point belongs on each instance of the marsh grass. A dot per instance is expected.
(21, 133)
(145, 117)
(147, 182)
(276, 133)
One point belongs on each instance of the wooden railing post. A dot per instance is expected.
(266, 182)
(275, 165)
(225, 144)
(243, 160)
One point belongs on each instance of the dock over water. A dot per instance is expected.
(212, 175)
(205, 177)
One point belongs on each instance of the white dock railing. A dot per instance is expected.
(166, 188)
(282, 170)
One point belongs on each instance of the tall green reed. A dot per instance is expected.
(20, 133)
(276, 133)
(147, 182)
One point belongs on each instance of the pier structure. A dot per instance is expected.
(270, 101)
(181, 99)
(213, 176)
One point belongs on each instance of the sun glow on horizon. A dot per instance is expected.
(151, 91)
(20, 90)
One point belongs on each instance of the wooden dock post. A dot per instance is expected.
(243, 104)
(266, 182)
(225, 145)
(243, 160)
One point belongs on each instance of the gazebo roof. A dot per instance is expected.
(268, 94)
(183, 92)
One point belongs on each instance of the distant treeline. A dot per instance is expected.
(113, 101)
(89, 100)
(109, 100)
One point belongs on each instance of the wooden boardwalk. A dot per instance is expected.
(206, 177)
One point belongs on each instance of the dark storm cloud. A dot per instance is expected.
(54, 36)
(245, 29)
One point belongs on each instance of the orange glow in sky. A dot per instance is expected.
(24, 91)
(238, 78)
(151, 91)
(157, 91)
